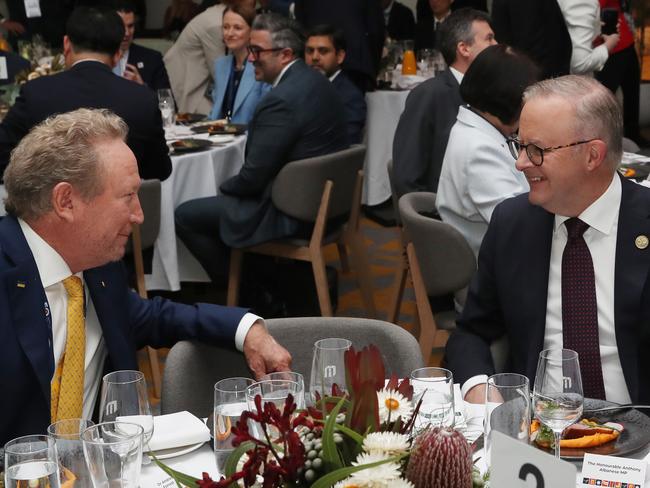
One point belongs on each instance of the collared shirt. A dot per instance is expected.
(284, 70)
(437, 21)
(457, 74)
(602, 218)
(333, 77)
(53, 269)
(120, 66)
(387, 12)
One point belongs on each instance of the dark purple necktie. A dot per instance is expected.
(579, 310)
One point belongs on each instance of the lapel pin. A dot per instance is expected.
(20, 284)
(104, 284)
(641, 242)
(140, 64)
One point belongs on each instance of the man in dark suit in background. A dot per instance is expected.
(301, 117)
(431, 108)
(325, 52)
(15, 64)
(567, 264)
(138, 63)
(48, 20)
(537, 28)
(431, 16)
(398, 19)
(91, 47)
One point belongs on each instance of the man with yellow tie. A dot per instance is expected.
(67, 315)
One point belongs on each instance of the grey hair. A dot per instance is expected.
(61, 148)
(285, 33)
(458, 27)
(598, 113)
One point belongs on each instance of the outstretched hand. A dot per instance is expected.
(263, 354)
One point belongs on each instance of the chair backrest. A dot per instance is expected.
(149, 196)
(298, 187)
(393, 193)
(192, 369)
(446, 260)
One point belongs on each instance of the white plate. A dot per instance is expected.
(177, 451)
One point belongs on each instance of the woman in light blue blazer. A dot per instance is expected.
(236, 93)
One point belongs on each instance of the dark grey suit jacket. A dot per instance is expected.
(508, 294)
(300, 118)
(422, 133)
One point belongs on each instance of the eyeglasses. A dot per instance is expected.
(255, 51)
(536, 153)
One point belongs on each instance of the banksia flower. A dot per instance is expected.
(440, 458)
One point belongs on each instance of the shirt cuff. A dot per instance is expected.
(244, 326)
(472, 382)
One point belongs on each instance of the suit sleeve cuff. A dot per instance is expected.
(244, 326)
(472, 382)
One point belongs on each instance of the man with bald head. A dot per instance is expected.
(565, 265)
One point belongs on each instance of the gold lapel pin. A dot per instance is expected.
(20, 284)
(641, 242)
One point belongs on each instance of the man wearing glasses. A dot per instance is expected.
(301, 117)
(565, 265)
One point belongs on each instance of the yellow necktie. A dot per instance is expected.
(68, 382)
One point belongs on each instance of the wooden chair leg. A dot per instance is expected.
(234, 277)
(343, 255)
(398, 293)
(320, 278)
(154, 363)
(364, 279)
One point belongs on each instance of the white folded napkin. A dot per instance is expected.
(176, 430)
(178, 132)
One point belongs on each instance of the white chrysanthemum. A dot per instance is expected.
(393, 404)
(399, 483)
(377, 476)
(350, 483)
(390, 443)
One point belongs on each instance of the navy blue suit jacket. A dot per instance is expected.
(15, 64)
(301, 117)
(128, 323)
(401, 23)
(91, 84)
(508, 294)
(150, 65)
(354, 102)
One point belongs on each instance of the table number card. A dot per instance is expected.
(612, 471)
(517, 465)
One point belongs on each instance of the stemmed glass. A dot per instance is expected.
(328, 366)
(124, 398)
(166, 106)
(31, 461)
(557, 394)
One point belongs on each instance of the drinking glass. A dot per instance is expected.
(425, 62)
(124, 398)
(166, 106)
(31, 461)
(328, 366)
(67, 437)
(275, 391)
(409, 63)
(113, 452)
(507, 407)
(435, 386)
(229, 403)
(291, 376)
(557, 394)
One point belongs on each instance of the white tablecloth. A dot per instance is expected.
(384, 110)
(194, 175)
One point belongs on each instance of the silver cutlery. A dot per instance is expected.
(610, 408)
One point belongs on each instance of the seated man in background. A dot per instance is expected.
(566, 265)
(91, 47)
(325, 52)
(430, 112)
(68, 316)
(301, 117)
(138, 63)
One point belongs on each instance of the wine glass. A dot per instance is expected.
(435, 386)
(328, 366)
(166, 106)
(124, 399)
(69, 448)
(229, 403)
(557, 394)
(31, 460)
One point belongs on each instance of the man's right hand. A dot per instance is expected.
(476, 394)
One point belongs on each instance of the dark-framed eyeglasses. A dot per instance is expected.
(255, 51)
(536, 153)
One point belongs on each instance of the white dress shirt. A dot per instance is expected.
(284, 70)
(120, 66)
(602, 217)
(582, 18)
(53, 270)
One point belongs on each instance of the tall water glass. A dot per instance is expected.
(31, 462)
(229, 403)
(435, 386)
(70, 451)
(507, 407)
(328, 366)
(113, 452)
(557, 394)
(166, 106)
(275, 391)
(291, 376)
(124, 398)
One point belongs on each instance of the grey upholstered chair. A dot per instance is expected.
(143, 237)
(402, 268)
(192, 369)
(440, 261)
(316, 190)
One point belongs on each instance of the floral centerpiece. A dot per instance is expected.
(361, 438)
